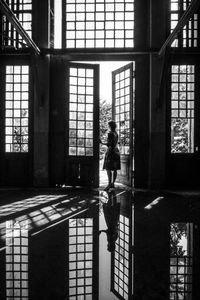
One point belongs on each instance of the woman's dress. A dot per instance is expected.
(112, 156)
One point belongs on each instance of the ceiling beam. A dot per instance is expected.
(192, 8)
(5, 9)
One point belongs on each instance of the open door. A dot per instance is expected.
(122, 110)
(82, 149)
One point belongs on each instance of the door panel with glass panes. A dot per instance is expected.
(123, 114)
(183, 127)
(15, 125)
(82, 125)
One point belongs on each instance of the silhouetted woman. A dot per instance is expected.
(112, 156)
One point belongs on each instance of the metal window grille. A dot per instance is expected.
(17, 109)
(182, 108)
(99, 23)
(189, 36)
(16, 261)
(181, 261)
(81, 99)
(23, 11)
(121, 262)
(81, 259)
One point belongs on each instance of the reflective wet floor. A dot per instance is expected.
(79, 244)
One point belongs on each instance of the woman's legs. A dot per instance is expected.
(114, 176)
(109, 174)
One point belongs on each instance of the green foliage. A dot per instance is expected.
(105, 116)
(180, 136)
(178, 230)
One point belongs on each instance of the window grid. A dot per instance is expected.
(181, 261)
(81, 105)
(81, 258)
(17, 109)
(121, 259)
(122, 90)
(182, 108)
(99, 23)
(181, 278)
(16, 261)
(23, 11)
(188, 37)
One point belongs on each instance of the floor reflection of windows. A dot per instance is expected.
(121, 273)
(81, 260)
(181, 261)
(16, 260)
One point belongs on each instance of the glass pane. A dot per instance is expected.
(103, 24)
(122, 110)
(181, 260)
(16, 109)
(182, 110)
(81, 114)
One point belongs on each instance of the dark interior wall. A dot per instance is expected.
(150, 109)
(141, 150)
(57, 121)
(141, 94)
(41, 23)
(48, 264)
(151, 255)
(41, 69)
(157, 95)
(141, 32)
(157, 111)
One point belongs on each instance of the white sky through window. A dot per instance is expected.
(57, 23)
(105, 76)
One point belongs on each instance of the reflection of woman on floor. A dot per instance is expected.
(111, 211)
(112, 156)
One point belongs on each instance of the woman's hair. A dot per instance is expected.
(112, 125)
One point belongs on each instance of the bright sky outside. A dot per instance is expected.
(106, 69)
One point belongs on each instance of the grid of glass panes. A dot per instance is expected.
(23, 11)
(16, 261)
(182, 108)
(81, 105)
(181, 261)
(121, 259)
(122, 90)
(80, 258)
(17, 109)
(99, 23)
(188, 37)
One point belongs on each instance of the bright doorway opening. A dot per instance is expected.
(116, 92)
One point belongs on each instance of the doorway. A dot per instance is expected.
(116, 102)
(75, 135)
